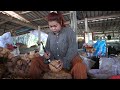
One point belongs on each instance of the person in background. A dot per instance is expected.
(84, 46)
(61, 45)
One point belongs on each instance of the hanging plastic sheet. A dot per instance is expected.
(6, 39)
(108, 67)
(43, 35)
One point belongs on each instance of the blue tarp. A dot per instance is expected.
(100, 48)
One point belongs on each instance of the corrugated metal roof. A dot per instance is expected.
(95, 20)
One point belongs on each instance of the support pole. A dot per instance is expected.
(86, 25)
(86, 31)
(73, 18)
(113, 34)
(119, 33)
(39, 38)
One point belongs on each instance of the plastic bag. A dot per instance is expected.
(89, 63)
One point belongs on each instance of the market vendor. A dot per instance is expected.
(61, 45)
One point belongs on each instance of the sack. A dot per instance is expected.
(89, 63)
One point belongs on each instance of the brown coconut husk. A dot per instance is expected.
(57, 75)
(3, 69)
(37, 67)
(79, 69)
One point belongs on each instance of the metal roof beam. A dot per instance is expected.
(14, 29)
(14, 20)
(101, 17)
(24, 12)
(4, 22)
(45, 17)
(94, 18)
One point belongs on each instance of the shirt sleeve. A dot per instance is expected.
(72, 50)
(47, 47)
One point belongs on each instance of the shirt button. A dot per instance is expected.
(57, 42)
(57, 48)
(57, 55)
